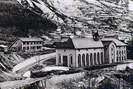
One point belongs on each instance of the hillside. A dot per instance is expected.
(15, 20)
(18, 21)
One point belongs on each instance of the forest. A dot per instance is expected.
(17, 21)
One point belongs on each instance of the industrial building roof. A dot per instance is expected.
(84, 42)
(117, 42)
(79, 43)
(31, 39)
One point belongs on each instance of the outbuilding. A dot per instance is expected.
(27, 44)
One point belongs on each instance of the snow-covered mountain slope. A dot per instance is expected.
(63, 9)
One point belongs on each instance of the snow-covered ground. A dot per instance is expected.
(33, 60)
(124, 66)
(50, 68)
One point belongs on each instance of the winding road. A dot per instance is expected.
(31, 61)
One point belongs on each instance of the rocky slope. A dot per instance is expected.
(82, 13)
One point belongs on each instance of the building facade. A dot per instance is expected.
(27, 44)
(115, 50)
(82, 52)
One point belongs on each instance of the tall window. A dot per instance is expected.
(120, 55)
(117, 56)
(87, 59)
(102, 60)
(95, 58)
(71, 60)
(125, 54)
(98, 58)
(91, 60)
(59, 59)
(83, 59)
(79, 60)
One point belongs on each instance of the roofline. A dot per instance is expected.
(114, 43)
(80, 48)
(90, 48)
(30, 41)
(38, 39)
(120, 45)
(117, 45)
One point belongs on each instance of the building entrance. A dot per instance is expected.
(65, 61)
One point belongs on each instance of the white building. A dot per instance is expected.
(27, 44)
(115, 50)
(83, 51)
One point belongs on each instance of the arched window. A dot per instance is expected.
(79, 60)
(91, 60)
(95, 59)
(87, 59)
(83, 59)
(98, 58)
(102, 60)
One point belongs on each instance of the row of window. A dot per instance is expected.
(32, 48)
(121, 58)
(90, 59)
(121, 55)
(32, 43)
(123, 52)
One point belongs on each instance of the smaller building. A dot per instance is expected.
(115, 50)
(27, 44)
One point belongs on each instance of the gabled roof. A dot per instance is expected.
(117, 42)
(79, 43)
(84, 42)
(31, 39)
(107, 43)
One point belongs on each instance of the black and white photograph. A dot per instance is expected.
(66, 44)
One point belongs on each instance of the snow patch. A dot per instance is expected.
(124, 66)
(27, 74)
(50, 68)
